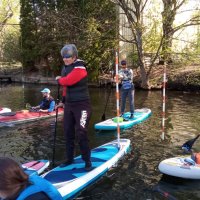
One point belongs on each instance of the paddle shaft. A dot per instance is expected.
(190, 143)
(9, 124)
(164, 102)
(117, 96)
(8, 114)
(55, 130)
(104, 115)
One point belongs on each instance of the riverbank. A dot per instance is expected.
(185, 78)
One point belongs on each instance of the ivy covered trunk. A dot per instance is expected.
(48, 25)
(168, 17)
(144, 77)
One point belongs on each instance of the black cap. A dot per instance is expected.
(123, 62)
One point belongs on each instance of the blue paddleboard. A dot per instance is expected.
(111, 124)
(72, 179)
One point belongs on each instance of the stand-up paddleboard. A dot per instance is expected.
(182, 167)
(24, 116)
(35, 167)
(5, 110)
(111, 124)
(72, 179)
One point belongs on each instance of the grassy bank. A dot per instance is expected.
(179, 77)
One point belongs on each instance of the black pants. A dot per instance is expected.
(76, 120)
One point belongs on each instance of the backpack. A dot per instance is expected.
(126, 85)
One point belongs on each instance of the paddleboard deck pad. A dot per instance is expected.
(72, 179)
(111, 124)
(182, 167)
(35, 167)
(27, 116)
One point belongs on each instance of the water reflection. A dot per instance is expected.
(137, 176)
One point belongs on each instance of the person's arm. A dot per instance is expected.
(120, 74)
(131, 75)
(77, 74)
(39, 106)
(51, 108)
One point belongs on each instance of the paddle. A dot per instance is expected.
(104, 115)
(31, 109)
(28, 106)
(187, 146)
(117, 96)
(8, 114)
(9, 124)
(55, 130)
(35, 163)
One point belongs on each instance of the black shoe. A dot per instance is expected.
(131, 116)
(66, 163)
(88, 166)
(122, 114)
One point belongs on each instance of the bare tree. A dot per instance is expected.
(170, 10)
(5, 16)
(134, 11)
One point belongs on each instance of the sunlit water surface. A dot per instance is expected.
(137, 176)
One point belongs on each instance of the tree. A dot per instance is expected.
(170, 11)
(99, 35)
(9, 30)
(48, 25)
(135, 10)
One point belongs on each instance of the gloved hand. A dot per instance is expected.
(58, 77)
(60, 105)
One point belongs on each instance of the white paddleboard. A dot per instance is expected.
(182, 167)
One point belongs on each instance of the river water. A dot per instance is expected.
(136, 176)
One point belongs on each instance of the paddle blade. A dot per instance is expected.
(8, 114)
(28, 106)
(187, 146)
(103, 118)
(8, 124)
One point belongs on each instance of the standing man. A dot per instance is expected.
(47, 104)
(77, 108)
(127, 89)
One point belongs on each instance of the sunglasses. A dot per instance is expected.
(67, 56)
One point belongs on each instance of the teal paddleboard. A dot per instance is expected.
(111, 124)
(72, 179)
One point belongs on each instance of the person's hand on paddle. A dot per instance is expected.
(41, 110)
(58, 77)
(119, 78)
(59, 105)
(35, 107)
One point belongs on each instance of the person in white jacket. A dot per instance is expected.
(127, 89)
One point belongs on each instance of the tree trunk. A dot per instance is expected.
(143, 73)
(168, 16)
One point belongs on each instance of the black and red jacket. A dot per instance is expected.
(74, 80)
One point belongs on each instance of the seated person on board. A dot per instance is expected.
(47, 104)
(15, 184)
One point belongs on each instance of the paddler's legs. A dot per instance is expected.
(82, 114)
(124, 94)
(69, 130)
(131, 101)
